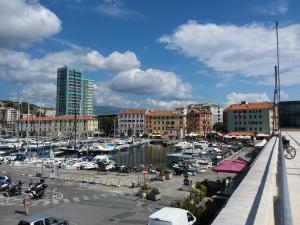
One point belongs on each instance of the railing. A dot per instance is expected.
(284, 199)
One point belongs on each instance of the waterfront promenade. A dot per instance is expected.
(293, 175)
(257, 199)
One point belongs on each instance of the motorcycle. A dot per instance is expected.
(13, 190)
(37, 190)
(4, 187)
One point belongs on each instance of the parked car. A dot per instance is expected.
(4, 180)
(43, 220)
(172, 216)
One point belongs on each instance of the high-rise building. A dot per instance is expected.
(74, 93)
(88, 97)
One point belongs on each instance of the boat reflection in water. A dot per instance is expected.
(149, 155)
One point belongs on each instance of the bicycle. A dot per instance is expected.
(289, 151)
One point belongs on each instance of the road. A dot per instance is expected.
(81, 206)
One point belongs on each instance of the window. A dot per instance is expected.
(190, 217)
(50, 220)
(40, 222)
(23, 223)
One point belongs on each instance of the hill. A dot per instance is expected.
(107, 109)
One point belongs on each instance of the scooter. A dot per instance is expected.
(38, 190)
(14, 189)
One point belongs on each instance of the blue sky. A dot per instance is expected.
(154, 54)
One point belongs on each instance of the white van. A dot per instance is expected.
(172, 216)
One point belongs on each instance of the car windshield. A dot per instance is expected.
(22, 222)
(2, 178)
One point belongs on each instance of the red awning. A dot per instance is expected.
(231, 166)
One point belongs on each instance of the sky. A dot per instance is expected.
(151, 54)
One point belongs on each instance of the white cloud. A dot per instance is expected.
(283, 95)
(151, 82)
(158, 104)
(279, 7)
(248, 50)
(115, 8)
(234, 97)
(21, 67)
(40, 93)
(23, 22)
(104, 96)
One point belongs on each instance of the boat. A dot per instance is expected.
(183, 145)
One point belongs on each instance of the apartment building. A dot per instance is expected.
(58, 126)
(165, 124)
(74, 93)
(254, 117)
(216, 111)
(198, 120)
(133, 119)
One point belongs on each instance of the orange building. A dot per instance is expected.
(164, 124)
(198, 120)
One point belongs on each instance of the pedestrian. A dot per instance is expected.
(26, 203)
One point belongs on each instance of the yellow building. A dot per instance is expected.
(58, 125)
(164, 124)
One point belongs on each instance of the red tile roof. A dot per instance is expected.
(163, 113)
(252, 105)
(133, 111)
(49, 118)
(241, 134)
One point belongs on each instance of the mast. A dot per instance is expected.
(75, 109)
(278, 75)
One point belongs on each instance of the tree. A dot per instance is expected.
(137, 134)
(129, 132)
(108, 125)
(220, 127)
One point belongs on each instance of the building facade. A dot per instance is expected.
(74, 93)
(165, 124)
(88, 97)
(132, 119)
(8, 120)
(198, 120)
(58, 126)
(216, 110)
(289, 114)
(250, 117)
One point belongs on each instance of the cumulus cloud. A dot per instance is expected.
(248, 50)
(24, 22)
(234, 97)
(21, 67)
(40, 93)
(104, 96)
(115, 8)
(151, 82)
(159, 104)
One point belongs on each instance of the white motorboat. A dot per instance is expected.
(183, 145)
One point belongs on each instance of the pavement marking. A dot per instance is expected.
(55, 201)
(66, 200)
(46, 203)
(86, 198)
(95, 197)
(76, 199)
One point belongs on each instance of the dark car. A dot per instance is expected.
(43, 220)
(4, 180)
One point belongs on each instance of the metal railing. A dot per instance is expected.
(285, 209)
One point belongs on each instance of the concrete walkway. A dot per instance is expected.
(293, 175)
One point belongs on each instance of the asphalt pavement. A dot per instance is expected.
(81, 206)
